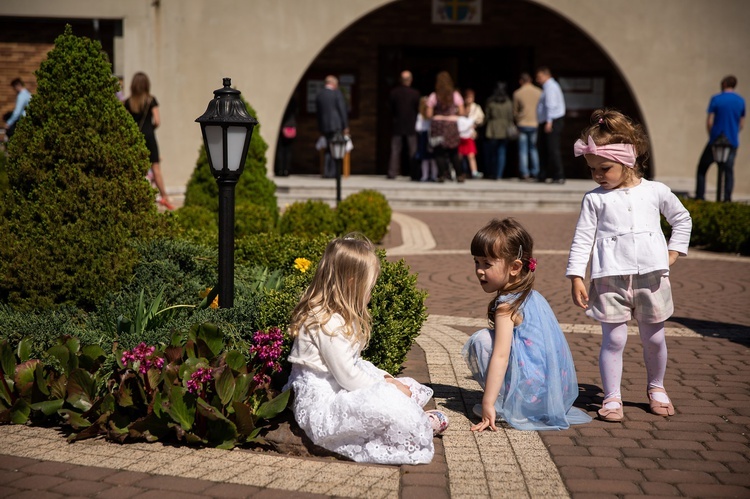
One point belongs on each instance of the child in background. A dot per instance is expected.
(344, 403)
(620, 221)
(467, 148)
(522, 362)
(424, 151)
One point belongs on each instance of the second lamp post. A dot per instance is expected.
(337, 146)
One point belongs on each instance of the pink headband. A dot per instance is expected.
(621, 153)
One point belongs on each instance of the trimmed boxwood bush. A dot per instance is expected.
(308, 218)
(367, 212)
(718, 226)
(78, 196)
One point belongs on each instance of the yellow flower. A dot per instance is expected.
(215, 303)
(302, 264)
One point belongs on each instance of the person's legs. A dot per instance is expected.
(456, 163)
(523, 152)
(654, 354)
(614, 338)
(543, 147)
(501, 152)
(555, 156)
(729, 175)
(441, 158)
(703, 165)
(394, 165)
(159, 181)
(490, 168)
(533, 153)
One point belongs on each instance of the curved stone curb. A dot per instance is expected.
(506, 463)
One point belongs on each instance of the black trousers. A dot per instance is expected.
(550, 157)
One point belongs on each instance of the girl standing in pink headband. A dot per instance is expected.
(619, 229)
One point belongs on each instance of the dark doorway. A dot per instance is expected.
(479, 68)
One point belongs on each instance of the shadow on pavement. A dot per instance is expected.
(734, 332)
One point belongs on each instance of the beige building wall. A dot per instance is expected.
(673, 53)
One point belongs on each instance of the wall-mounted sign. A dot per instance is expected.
(456, 11)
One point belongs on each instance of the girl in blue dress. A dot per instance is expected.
(522, 361)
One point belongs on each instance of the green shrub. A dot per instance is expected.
(254, 219)
(367, 212)
(253, 188)
(3, 173)
(78, 197)
(308, 218)
(721, 227)
(398, 312)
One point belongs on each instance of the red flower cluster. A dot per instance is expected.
(267, 351)
(202, 375)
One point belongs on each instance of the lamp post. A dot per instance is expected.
(337, 146)
(227, 128)
(720, 149)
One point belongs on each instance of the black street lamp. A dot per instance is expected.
(337, 146)
(720, 149)
(227, 128)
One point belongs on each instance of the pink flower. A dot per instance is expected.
(198, 378)
(142, 358)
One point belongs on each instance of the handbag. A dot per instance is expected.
(512, 132)
(289, 132)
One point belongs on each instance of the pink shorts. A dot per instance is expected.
(646, 298)
(466, 147)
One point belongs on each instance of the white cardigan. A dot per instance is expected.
(331, 352)
(622, 226)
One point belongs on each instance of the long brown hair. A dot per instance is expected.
(444, 88)
(610, 126)
(508, 241)
(342, 285)
(140, 92)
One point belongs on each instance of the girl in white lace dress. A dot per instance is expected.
(344, 403)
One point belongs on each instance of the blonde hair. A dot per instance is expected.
(140, 88)
(508, 241)
(609, 126)
(342, 285)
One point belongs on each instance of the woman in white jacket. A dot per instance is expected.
(619, 231)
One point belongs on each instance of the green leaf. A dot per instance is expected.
(210, 336)
(7, 360)
(41, 381)
(242, 386)
(225, 386)
(62, 354)
(48, 407)
(244, 419)
(94, 351)
(24, 349)
(154, 377)
(182, 407)
(236, 360)
(73, 344)
(5, 398)
(81, 390)
(19, 413)
(25, 377)
(273, 407)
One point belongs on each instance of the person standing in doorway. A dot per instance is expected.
(525, 101)
(726, 116)
(551, 115)
(332, 117)
(144, 109)
(404, 108)
(23, 97)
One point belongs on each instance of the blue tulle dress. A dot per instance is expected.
(540, 383)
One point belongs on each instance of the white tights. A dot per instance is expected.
(614, 337)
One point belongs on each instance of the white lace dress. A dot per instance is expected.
(344, 404)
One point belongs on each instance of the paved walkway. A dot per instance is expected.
(702, 451)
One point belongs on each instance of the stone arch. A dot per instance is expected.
(513, 37)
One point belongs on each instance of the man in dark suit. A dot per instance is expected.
(331, 109)
(404, 108)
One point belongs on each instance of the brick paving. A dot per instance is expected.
(702, 451)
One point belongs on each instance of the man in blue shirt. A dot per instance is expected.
(551, 115)
(726, 116)
(22, 100)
